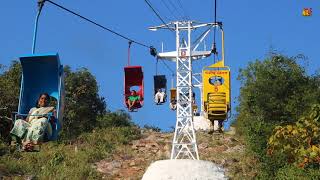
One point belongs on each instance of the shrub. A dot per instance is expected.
(115, 119)
(300, 142)
(274, 92)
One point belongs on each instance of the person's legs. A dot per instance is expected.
(156, 98)
(37, 130)
(129, 104)
(134, 103)
(20, 127)
(161, 96)
(15, 140)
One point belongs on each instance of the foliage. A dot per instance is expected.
(115, 119)
(153, 128)
(275, 91)
(82, 103)
(299, 142)
(293, 172)
(9, 93)
(10, 87)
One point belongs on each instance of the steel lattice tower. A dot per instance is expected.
(184, 145)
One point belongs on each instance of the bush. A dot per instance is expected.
(153, 128)
(292, 172)
(115, 119)
(300, 142)
(274, 92)
(83, 105)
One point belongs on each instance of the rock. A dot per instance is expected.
(183, 169)
(152, 145)
(152, 137)
(132, 163)
(203, 146)
(237, 148)
(107, 167)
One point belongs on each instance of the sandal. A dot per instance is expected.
(28, 147)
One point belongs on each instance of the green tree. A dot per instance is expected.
(118, 118)
(9, 87)
(9, 95)
(83, 103)
(299, 142)
(276, 91)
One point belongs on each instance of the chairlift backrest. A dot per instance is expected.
(133, 77)
(41, 74)
(173, 94)
(160, 82)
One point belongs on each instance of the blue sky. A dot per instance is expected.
(251, 28)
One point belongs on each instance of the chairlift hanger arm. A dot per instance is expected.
(40, 6)
(184, 25)
(169, 26)
(201, 38)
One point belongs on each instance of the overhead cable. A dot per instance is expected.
(166, 5)
(157, 14)
(168, 67)
(101, 26)
(214, 48)
(175, 7)
(184, 12)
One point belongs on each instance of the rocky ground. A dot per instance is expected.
(131, 161)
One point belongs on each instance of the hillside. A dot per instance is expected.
(120, 153)
(131, 161)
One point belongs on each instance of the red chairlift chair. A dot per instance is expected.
(133, 77)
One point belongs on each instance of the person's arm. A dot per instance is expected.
(55, 113)
(30, 112)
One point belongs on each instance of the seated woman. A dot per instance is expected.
(32, 130)
(133, 100)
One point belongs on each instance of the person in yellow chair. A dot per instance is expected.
(218, 82)
(31, 131)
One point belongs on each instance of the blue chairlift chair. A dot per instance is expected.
(42, 73)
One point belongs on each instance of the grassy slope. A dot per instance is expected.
(120, 153)
(67, 160)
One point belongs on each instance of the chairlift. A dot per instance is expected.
(217, 91)
(42, 73)
(173, 98)
(133, 76)
(160, 82)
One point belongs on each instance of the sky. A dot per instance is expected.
(251, 28)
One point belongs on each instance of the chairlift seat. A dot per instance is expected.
(133, 77)
(160, 82)
(42, 73)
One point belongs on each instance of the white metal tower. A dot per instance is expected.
(184, 145)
